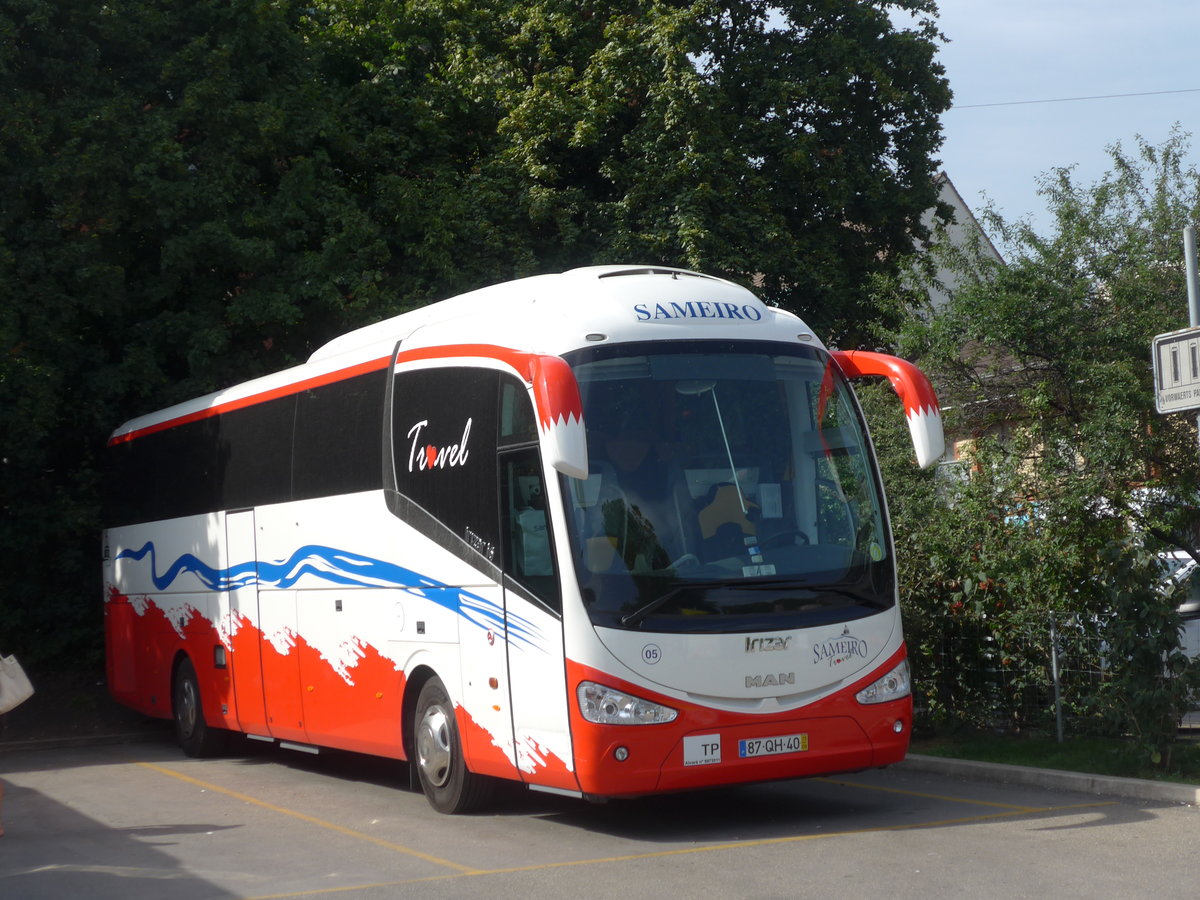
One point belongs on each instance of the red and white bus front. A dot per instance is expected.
(737, 614)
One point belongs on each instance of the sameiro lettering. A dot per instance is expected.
(840, 649)
(696, 309)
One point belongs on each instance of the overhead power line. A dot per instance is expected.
(1074, 99)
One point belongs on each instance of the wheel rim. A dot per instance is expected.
(433, 746)
(186, 711)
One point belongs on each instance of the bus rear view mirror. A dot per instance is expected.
(560, 415)
(915, 392)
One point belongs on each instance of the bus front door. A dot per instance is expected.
(533, 624)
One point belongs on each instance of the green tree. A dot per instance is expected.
(1152, 683)
(174, 217)
(787, 145)
(1045, 363)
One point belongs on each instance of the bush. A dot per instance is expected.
(1151, 683)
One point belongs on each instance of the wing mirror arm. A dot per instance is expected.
(915, 392)
(560, 415)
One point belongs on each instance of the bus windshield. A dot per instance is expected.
(731, 488)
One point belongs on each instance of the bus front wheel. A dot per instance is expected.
(438, 757)
(195, 736)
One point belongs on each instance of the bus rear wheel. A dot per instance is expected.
(195, 736)
(438, 757)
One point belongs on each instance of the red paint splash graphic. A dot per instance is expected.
(296, 694)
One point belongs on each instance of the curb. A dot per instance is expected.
(1129, 788)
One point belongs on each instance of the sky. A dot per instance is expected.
(1012, 52)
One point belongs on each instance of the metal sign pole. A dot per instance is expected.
(1193, 286)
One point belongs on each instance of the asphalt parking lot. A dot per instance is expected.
(140, 820)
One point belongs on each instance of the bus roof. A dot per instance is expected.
(550, 314)
(556, 313)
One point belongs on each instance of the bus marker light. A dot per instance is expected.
(898, 726)
(621, 754)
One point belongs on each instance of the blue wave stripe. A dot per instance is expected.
(339, 567)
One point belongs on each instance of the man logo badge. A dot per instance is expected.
(760, 681)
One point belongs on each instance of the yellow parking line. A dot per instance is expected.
(320, 892)
(312, 820)
(710, 848)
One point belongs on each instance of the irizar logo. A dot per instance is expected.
(766, 644)
(431, 457)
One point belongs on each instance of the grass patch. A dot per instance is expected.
(1094, 755)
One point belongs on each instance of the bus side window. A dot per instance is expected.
(517, 424)
(444, 441)
(525, 525)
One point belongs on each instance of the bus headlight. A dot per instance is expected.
(892, 686)
(607, 706)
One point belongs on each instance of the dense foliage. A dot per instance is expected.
(1070, 483)
(195, 193)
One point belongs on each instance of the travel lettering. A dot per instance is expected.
(431, 457)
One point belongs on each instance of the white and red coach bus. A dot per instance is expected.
(607, 533)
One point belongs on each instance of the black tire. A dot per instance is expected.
(438, 758)
(195, 736)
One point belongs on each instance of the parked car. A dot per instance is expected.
(1184, 571)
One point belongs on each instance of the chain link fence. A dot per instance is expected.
(1042, 678)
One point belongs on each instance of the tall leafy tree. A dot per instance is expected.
(175, 216)
(787, 145)
(1073, 480)
(1058, 341)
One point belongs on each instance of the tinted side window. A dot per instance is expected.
(163, 475)
(239, 459)
(517, 424)
(444, 441)
(339, 435)
(254, 454)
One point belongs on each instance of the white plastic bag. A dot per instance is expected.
(15, 687)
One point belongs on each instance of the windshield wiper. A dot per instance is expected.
(635, 618)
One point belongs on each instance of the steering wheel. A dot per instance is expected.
(686, 558)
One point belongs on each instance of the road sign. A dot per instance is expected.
(1177, 370)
